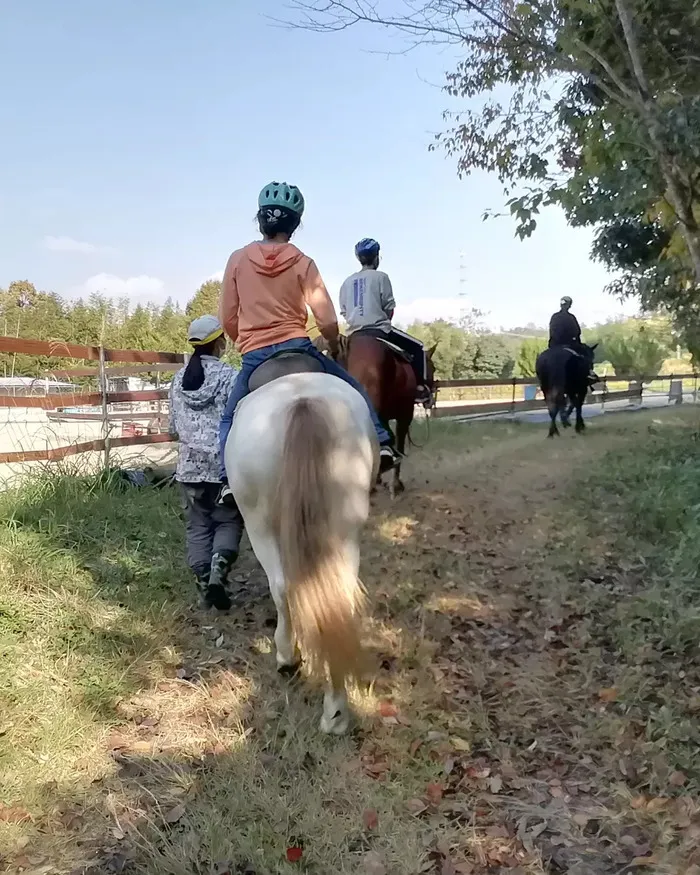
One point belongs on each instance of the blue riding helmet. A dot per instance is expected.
(367, 247)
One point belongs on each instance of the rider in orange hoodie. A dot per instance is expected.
(265, 292)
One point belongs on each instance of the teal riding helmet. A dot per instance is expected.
(279, 194)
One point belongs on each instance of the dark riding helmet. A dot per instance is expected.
(566, 301)
(367, 249)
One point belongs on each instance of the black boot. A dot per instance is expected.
(218, 595)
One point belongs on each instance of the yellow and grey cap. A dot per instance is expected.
(204, 330)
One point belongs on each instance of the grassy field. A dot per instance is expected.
(534, 709)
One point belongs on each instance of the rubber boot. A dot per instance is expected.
(217, 588)
(201, 576)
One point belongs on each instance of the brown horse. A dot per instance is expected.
(391, 384)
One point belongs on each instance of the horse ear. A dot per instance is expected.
(595, 346)
(430, 352)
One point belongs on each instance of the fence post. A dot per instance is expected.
(512, 402)
(105, 406)
(695, 389)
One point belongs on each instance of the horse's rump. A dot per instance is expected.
(388, 377)
(301, 457)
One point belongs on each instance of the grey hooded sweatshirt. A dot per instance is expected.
(195, 418)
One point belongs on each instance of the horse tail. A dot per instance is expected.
(325, 597)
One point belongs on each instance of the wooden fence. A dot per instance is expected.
(635, 391)
(140, 361)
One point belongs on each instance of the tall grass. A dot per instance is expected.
(651, 491)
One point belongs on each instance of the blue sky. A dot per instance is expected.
(136, 136)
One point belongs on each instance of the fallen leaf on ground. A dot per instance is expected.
(175, 814)
(678, 779)
(415, 745)
(370, 818)
(387, 709)
(434, 793)
(460, 744)
(373, 864)
(645, 861)
(416, 806)
(294, 854)
(499, 832)
(654, 806)
(117, 742)
(608, 694)
(376, 770)
(13, 814)
(496, 784)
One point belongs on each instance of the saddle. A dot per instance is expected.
(281, 365)
(377, 335)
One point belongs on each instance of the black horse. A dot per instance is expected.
(565, 373)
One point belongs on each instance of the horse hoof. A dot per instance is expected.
(338, 724)
(289, 672)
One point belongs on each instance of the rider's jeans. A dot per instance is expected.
(251, 360)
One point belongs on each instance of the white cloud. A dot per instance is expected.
(219, 275)
(138, 289)
(68, 244)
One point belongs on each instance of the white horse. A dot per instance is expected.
(301, 459)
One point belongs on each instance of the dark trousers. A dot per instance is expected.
(211, 528)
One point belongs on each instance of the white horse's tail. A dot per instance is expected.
(326, 600)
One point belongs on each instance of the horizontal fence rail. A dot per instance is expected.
(58, 404)
(58, 349)
(62, 406)
(512, 405)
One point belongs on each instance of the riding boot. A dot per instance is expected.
(217, 589)
(201, 576)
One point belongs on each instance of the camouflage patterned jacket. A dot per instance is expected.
(195, 418)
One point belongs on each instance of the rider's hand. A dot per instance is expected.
(334, 347)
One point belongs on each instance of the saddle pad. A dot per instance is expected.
(401, 353)
(281, 365)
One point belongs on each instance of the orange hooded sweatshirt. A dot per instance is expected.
(264, 295)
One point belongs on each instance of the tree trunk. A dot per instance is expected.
(677, 193)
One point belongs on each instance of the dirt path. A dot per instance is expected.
(490, 742)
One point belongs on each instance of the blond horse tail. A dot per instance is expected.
(326, 600)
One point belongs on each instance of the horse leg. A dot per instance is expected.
(553, 408)
(566, 415)
(335, 719)
(386, 425)
(580, 424)
(268, 555)
(402, 425)
(336, 710)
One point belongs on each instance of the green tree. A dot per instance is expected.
(454, 356)
(591, 106)
(636, 355)
(492, 358)
(205, 300)
(525, 362)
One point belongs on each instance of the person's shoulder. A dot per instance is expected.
(383, 275)
(237, 254)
